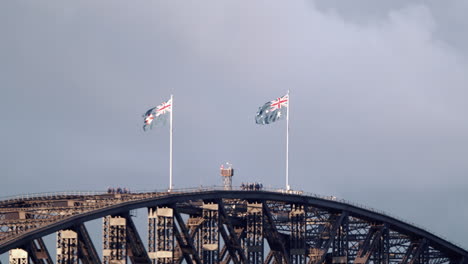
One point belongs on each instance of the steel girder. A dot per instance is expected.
(114, 240)
(369, 245)
(185, 242)
(210, 233)
(67, 247)
(161, 235)
(276, 240)
(231, 227)
(297, 241)
(72, 246)
(254, 241)
(232, 239)
(38, 252)
(86, 249)
(185, 238)
(137, 252)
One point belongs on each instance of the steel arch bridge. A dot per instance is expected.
(215, 226)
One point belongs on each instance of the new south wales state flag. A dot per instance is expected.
(272, 111)
(157, 115)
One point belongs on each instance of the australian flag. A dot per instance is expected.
(157, 115)
(272, 111)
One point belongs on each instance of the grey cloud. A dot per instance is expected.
(377, 108)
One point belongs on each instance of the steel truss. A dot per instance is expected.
(161, 235)
(114, 240)
(210, 233)
(228, 230)
(67, 247)
(38, 252)
(254, 241)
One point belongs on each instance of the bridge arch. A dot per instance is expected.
(300, 222)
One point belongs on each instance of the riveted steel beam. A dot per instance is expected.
(210, 233)
(38, 252)
(114, 249)
(24, 220)
(269, 257)
(187, 244)
(297, 238)
(234, 245)
(414, 251)
(192, 234)
(229, 244)
(67, 247)
(327, 237)
(276, 241)
(182, 247)
(161, 235)
(86, 249)
(369, 245)
(224, 256)
(137, 252)
(254, 239)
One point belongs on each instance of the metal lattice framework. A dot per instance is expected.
(215, 226)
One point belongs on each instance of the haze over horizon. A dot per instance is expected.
(378, 99)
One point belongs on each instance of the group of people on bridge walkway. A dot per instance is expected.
(117, 190)
(251, 186)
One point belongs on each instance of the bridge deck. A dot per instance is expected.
(27, 218)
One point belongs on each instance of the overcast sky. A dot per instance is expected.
(378, 111)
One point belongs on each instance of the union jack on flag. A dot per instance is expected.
(157, 115)
(164, 108)
(272, 111)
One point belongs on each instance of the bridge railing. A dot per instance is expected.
(29, 196)
(201, 189)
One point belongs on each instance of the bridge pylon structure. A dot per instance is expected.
(205, 226)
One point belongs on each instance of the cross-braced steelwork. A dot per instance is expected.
(216, 226)
(297, 241)
(114, 249)
(210, 233)
(254, 235)
(67, 247)
(161, 235)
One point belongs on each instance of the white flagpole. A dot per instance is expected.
(287, 144)
(170, 144)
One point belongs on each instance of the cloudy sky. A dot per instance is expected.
(377, 113)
